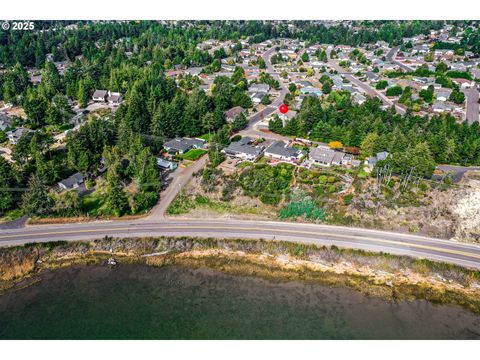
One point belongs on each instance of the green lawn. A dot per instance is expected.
(91, 203)
(193, 154)
(205, 137)
(11, 215)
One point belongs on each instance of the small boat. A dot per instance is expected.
(111, 262)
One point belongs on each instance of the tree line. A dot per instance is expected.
(409, 138)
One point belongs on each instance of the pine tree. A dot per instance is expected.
(36, 200)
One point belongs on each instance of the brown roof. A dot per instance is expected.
(234, 112)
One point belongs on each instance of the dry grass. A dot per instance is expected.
(79, 219)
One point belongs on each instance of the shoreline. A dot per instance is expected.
(394, 278)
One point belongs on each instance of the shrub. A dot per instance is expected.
(236, 138)
(305, 208)
(347, 199)
(394, 91)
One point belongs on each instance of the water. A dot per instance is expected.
(141, 302)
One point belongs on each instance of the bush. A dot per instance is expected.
(394, 91)
(268, 183)
(305, 208)
(381, 85)
(236, 138)
(347, 199)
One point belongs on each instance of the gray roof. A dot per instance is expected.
(165, 163)
(338, 156)
(280, 148)
(304, 83)
(194, 70)
(259, 88)
(372, 160)
(371, 75)
(382, 155)
(243, 147)
(18, 132)
(75, 179)
(233, 112)
(100, 94)
(322, 154)
(5, 121)
(183, 144)
(115, 97)
(439, 105)
(258, 95)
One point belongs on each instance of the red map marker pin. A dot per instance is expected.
(283, 109)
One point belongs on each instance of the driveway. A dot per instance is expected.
(177, 180)
(471, 105)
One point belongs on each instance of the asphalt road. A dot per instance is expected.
(471, 106)
(272, 108)
(391, 57)
(372, 240)
(457, 171)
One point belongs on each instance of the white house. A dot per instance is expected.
(281, 151)
(100, 96)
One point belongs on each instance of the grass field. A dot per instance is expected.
(193, 154)
(91, 203)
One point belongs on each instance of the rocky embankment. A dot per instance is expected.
(387, 276)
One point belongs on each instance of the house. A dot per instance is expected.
(439, 107)
(358, 98)
(464, 83)
(229, 68)
(325, 156)
(194, 71)
(281, 151)
(173, 73)
(257, 97)
(5, 121)
(72, 182)
(100, 96)
(166, 164)
(372, 160)
(205, 88)
(15, 135)
(182, 145)
(265, 88)
(383, 155)
(311, 90)
(371, 76)
(231, 114)
(115, 98)
(243, 149)
(211, 42)
(304, 83)
(443, 94)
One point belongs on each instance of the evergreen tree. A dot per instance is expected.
(36, 200)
